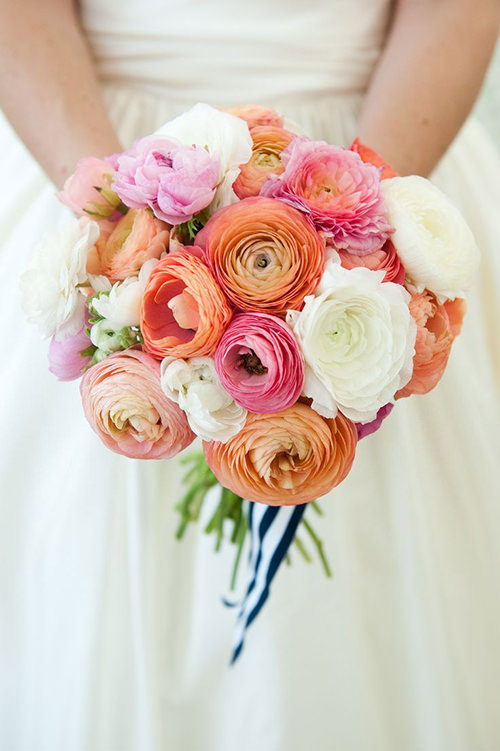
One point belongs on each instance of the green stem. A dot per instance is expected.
(319, 546)
(302, 549)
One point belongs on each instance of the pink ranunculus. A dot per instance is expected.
(368, 428)
(124, 403)
(88, 189)
(385, 259)
(259, 363)
(336, 190)
(65, 359)
(175, 181)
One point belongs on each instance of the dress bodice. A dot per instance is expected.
(229, 51)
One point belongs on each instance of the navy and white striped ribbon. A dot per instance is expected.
(272, 529)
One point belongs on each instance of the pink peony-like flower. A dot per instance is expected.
(65, 359)
(259, 363)
(337, 190)
(175, 181)
(368, 428)
(124, 246)
(125, 405)
(385, 259)
(88, 189)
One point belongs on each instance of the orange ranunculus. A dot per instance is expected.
(124, 246)
(437, 327)
(184, 311)
(285, 458)
(371, 156)
(268, 143)
(254, 115)
(265, 255)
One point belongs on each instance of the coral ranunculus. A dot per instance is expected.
(268, 143)
(255, 115)
(265, 255)
(338, 191)
(386, 259)
(184, 311)
(259, 363)
(285, 458)
(437, 327)
(371, 157)
(136, 238)
(125, 405)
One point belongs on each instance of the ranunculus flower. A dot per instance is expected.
(224, 136)
(385, 259)
(184, 311)
(431, 236)
(371, 157)
(259, 363)
(65, 358)
(337, 190)
(134, 239)
(174, 180)
(437, 327)
(194, 384)
(255, 115)
(368, 428)
(51, 285)
(121, 304)
(268, 143)
(357, 338)
(88, 189)
(285, 458)
(265, 255)
(125, 405)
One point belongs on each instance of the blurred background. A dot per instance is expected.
(488, 106)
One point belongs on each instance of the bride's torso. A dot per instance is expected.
(229, 51)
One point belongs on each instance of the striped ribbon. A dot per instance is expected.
(272, 529)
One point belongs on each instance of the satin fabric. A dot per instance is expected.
(113, 636)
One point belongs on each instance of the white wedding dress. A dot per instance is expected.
(112, 634)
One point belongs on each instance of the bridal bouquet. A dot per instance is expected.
(273, 295)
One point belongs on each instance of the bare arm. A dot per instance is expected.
(48, 88)
(428, 79)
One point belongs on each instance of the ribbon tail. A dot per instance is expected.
(272, 529)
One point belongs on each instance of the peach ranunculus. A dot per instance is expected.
(123, 247)
(255, 115)
(125, 405)
(386, 259)
(437, 327)
(285, 458)
(371, 157)
(265, 255)
(268, 143)
(184, 311)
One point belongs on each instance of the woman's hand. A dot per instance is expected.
(428, 79)
(49, 89)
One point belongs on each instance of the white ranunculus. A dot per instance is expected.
(194, 384)
(358, 340)
(50, 285)
(432, 238)
(121, 306)
(223, 135)
(105, 337)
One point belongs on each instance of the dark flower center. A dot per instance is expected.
(252, 363)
